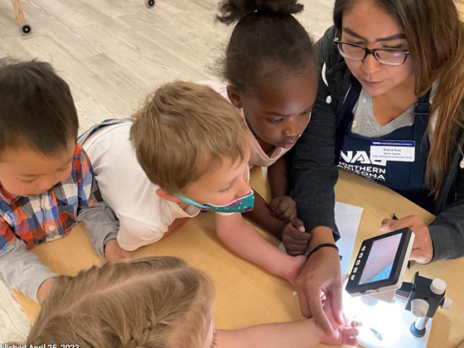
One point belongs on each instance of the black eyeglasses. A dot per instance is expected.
(387, 56)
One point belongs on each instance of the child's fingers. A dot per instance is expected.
(280, 204)
(299, 249)
(296, 247)
(296, 235)
(278, 210)
(284, 208)
(292, 234)
(273, 204)
(286, 216)
(298, 225)
(289, 241)
(296, 244)
(351, 332)
(287, 203)
(292, 214)
(300, 240)
(296, 252)
(351, 341)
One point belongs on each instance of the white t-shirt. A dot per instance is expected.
(143, 215)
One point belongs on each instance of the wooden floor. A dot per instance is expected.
(113, 53)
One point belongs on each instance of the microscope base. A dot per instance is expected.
(385, 325)
(417, 333)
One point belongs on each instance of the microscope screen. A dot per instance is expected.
(381, 258)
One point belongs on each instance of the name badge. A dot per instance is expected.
(393, 150)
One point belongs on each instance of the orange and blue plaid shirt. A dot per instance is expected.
(51, 215)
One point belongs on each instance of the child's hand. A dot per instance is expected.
(44, 289)
(114, 252)
(344, 333)
(283, 208)
(295, 239)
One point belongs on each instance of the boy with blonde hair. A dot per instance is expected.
(186, 151)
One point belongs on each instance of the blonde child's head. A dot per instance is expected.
(152, 302)
(190, 140)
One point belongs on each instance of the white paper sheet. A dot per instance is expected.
(348, 218)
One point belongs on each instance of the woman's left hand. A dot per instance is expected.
(422, 250)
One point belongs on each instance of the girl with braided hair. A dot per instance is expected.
(157, 302)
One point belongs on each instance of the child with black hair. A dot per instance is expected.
(271, 66)
(271, 69)
(46, 180)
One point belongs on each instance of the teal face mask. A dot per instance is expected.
(241, 205)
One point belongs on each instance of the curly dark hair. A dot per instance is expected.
(266, 42)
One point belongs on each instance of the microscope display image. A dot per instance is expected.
(380, 261)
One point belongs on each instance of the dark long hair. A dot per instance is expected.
(435, 36)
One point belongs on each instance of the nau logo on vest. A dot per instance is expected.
(359, 162)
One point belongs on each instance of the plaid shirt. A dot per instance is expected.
(51, 215)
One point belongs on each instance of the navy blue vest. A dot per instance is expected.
(353, 151)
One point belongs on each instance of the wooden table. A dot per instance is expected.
(247, 295)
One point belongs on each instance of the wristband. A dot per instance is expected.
(320, 246)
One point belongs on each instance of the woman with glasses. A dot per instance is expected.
(390, 108)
